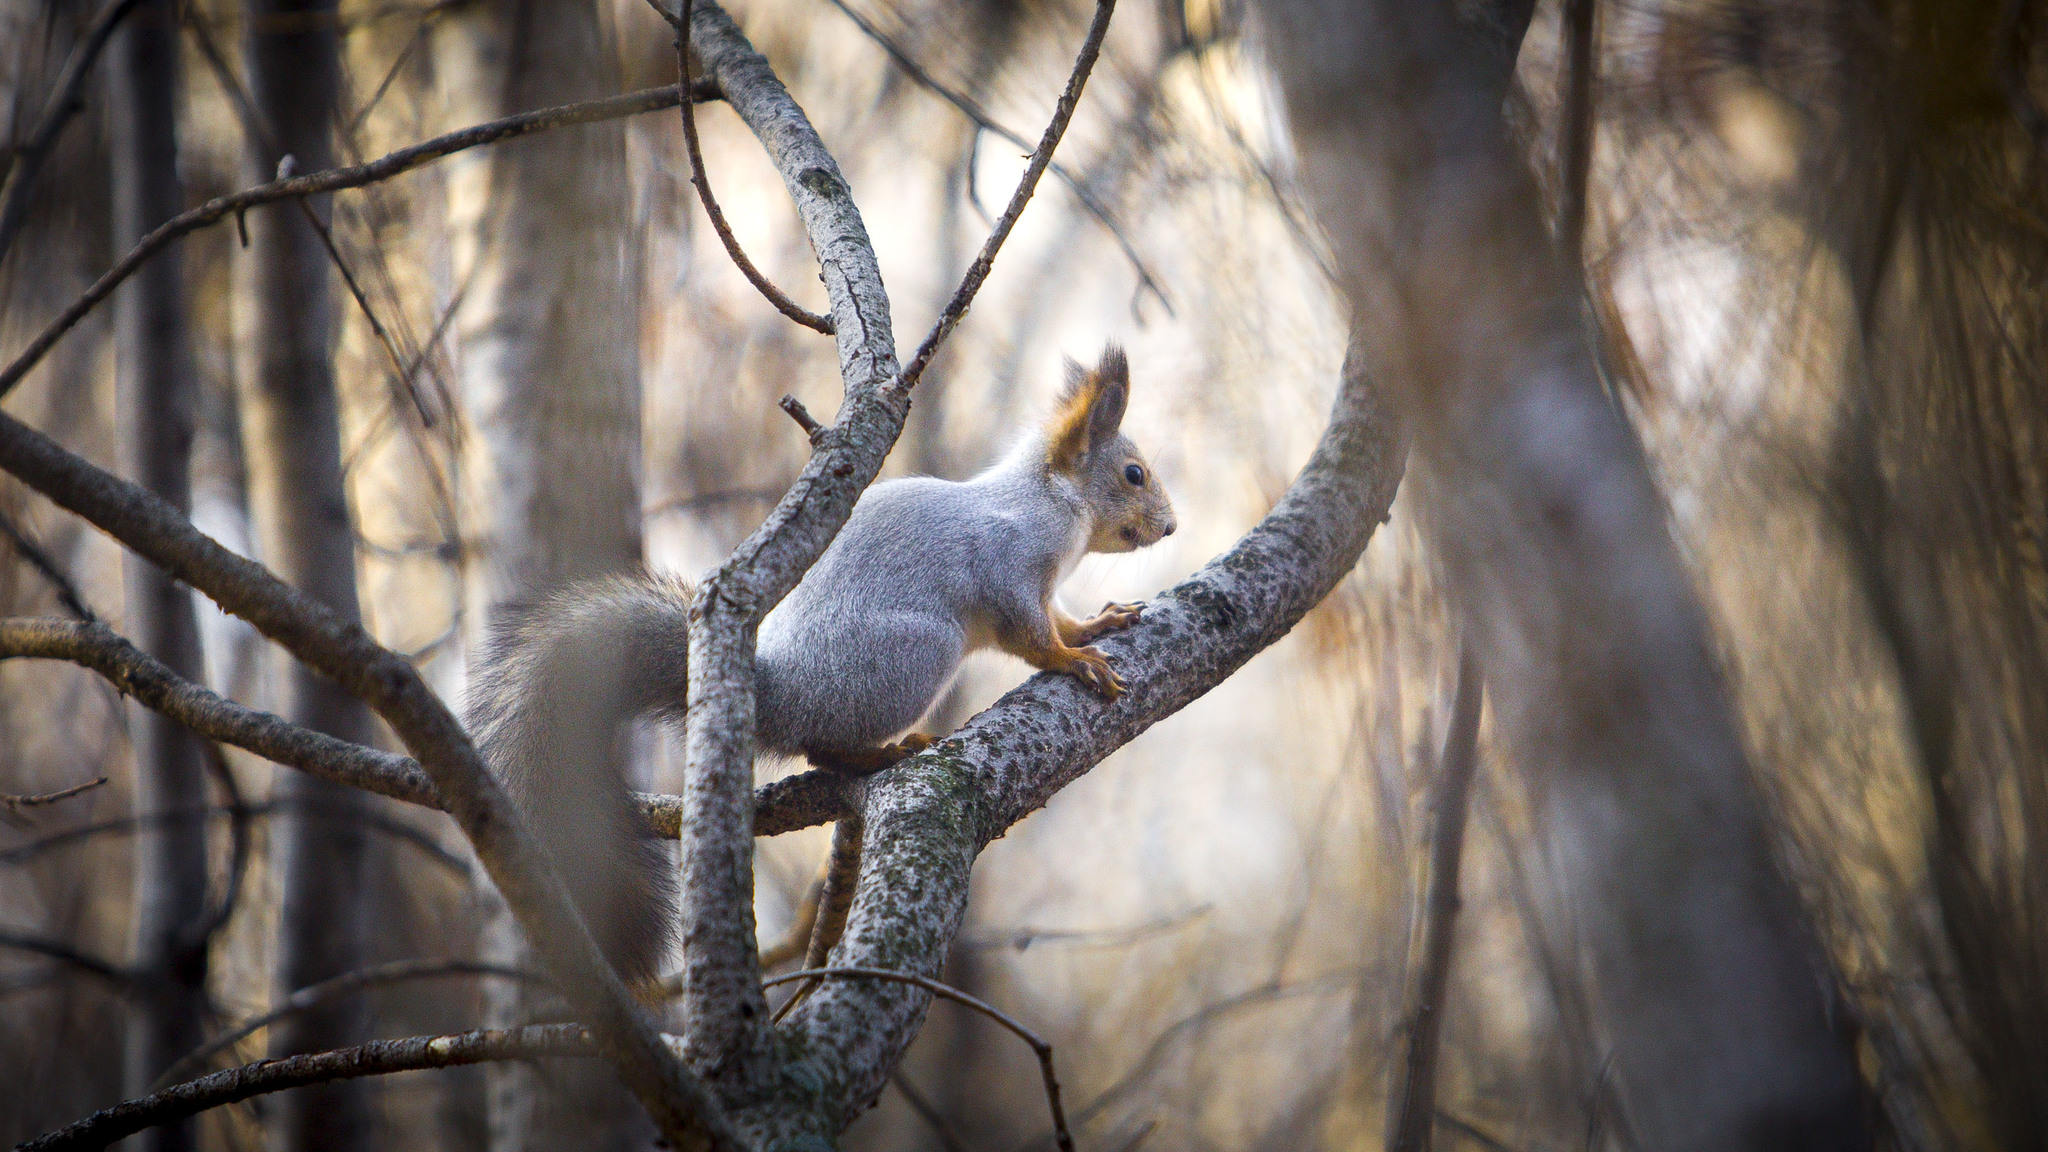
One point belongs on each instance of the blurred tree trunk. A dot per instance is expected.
(157, 398)
(549, 371)
(1705, 986)
(292, 442)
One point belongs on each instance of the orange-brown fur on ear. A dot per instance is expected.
(1070, 433)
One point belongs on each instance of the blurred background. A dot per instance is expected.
(1815, 235)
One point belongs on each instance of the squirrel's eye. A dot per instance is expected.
(1134, 474)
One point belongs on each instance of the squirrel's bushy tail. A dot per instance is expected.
(550, 705)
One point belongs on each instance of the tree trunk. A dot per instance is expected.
(292, 440)
(157, 399)
(550, 378)
(1705, 985)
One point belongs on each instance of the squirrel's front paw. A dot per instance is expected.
(1112, 618)
(1092, 668)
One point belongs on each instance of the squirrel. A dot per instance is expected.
(924, 572)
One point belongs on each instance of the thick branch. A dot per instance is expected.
(298, 187)
(679, 1104)
(102, 1128)
(928, 817)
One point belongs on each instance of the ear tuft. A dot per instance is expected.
(1091, 409)
(1114, 367)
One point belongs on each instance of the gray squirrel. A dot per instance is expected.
(924, 572)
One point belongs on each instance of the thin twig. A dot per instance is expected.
(126, 825)
(926, 1111)
(102, 1128)
(348, 983)
(198, 935)
(802, 415)
(63, 953)
(1412, 1107)
(15, 802)
(774, 295)
(259, 132)
(66, 100)
(969, 108)
(842, 875)
(977, 272)
(1039, 1047)
(334, 179)
(67, 590)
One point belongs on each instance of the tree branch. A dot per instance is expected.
(102, 1128)
(702, 179)
(1041, 156)
(334, 179)
(801, 801)
(347, 984)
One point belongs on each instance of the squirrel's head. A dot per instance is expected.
(1084, 444)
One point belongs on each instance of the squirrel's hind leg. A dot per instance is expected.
(867, 761)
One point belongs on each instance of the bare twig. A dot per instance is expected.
(1039, 1047)
(15, 802)
(199, 932)
(774, 295)
(347, 984)
(842, 873)
(1020, 939)
(66, 100)
(67, 590)
(977, 272)
(334, 179)
(950, 1140)
(1413, 1106)
(968, 107)
(102, 1128)
(397, 829)
(107, 971)
(802, 415)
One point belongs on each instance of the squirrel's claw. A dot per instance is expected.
(1114, 617)
(1090, 667)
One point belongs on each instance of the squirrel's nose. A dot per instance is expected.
(1168, 530)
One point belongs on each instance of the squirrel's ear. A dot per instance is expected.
(1112, 394)
(1091, 409)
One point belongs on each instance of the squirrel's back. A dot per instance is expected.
(877, 628)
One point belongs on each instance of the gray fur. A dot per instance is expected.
(924, 572)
